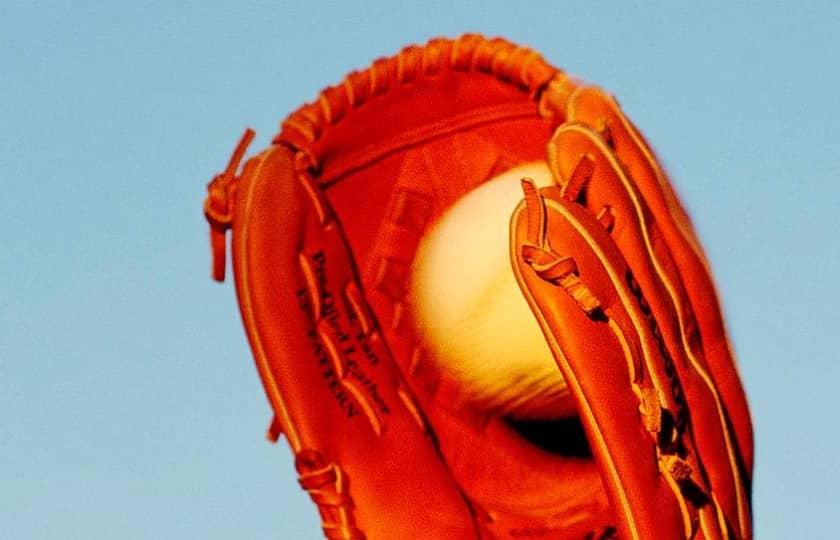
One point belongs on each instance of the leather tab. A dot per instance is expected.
(650, 409)
(691, 486)
(550, 266)
(274, 430)
(535, 212)
(218, 206)
(581, 174)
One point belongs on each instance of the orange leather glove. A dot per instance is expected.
(636, 426)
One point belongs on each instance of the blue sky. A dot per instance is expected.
(129, 405)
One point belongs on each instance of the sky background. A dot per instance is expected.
(129, 404)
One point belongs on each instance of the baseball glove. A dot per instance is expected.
(479, 311)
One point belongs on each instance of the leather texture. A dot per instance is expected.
(325, 225)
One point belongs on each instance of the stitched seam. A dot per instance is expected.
(509, 63)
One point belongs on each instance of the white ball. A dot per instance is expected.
(472, 317)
